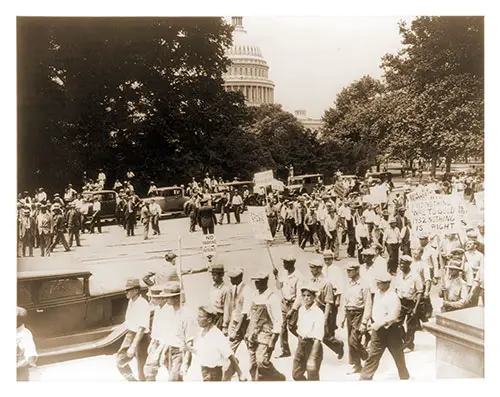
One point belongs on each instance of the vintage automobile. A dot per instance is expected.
(108, 202)
(68, 313)
(309, 181)
(171, 200)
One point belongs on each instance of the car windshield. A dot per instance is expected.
(110, 196)
(171, 193)
(62, 288)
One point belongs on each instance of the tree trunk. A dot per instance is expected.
(448, 164)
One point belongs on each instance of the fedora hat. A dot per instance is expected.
(132, 283)
(217, 268)
(260, 276)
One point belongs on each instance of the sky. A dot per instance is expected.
(311, 59)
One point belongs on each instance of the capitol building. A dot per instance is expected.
(249, 71)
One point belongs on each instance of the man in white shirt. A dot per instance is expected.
(264, 313)
(385, 330)
(392, 240)
(212, 348)
(101, 177)
(311, 331)
(26, 349)
(362, 234)
(96, 216)
(289, 284)
(171, 332)
(237, 203)
(155, 211)
(69, 194)
(41, 195)
(137, 338)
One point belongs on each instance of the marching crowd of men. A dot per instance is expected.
(381, 299)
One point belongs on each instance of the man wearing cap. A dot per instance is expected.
(403, 224)
(25, 347)
(290, 289)
(272, 216)
(448, 244)
(335, 276)
(392, 241)
(386, 331)
(69, 194)
(326, 301)
(129, 215)
(73, 222)
(409, 287)
(362, 234)
(454, 290)
(356, 300)
(431, 256)
(137, 338)
(96, 216)
(310, 229)
(220, 298)
(27, 228)
(237, 203)
(331, 227)
(300, 212)
(172, 331)
(241, 294)
(475, 262)
(145, 219)
(458, 256)
(310, 328)
(58, 231)
(45, 226)
(206, 217)
(264, 326)
(212, 347)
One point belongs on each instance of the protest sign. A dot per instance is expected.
(209, 245)
(435, 214)
(378, 194)
(263, 179)
(258, 220)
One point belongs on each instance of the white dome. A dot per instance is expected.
(249, 70)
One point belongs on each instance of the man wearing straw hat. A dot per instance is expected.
(385, 330)
(454, 290)
(137, 338)
(171, 332)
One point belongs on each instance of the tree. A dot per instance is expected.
(144, 93)
(438, 77)
(283, 140)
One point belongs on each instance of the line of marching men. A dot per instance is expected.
(380, 311)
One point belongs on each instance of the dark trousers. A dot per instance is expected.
(370, 231)
(74, 233)
(130, 225)
(141, 355)
(155, 224)
(365, 243)
(300, 233)
(224, 210)
(237, 212)
(28, 242)
(120, 218)
(351, 247)
(261, 367)
(45, 240)
(96, 221)
(307, 359)
(321, 236)
(411, 322)
(208, 229)
(357, 351)
(393, 260)
(335, 345)
(273, 224)
(287, 325)
(288, 229)
(59, 238)
(392, 339)
(211, 374)
(192, 223)
(308, 236)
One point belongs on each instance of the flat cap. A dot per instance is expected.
(217, 268)
(315, 264)
(327, 254)
(368, 251)
(235, 272)
(353, 266)
(457, 251)
(383, 277)
(311, 287)
(260, 276)
(288, 259)
(406, 259)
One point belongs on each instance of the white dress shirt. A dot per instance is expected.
(311, 322)
(386, 306)
(137, 315)
(212, 348)
(237, 200)
(25, 346)
(291, 285)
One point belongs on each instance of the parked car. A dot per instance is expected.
(108, 202)
(68, 314)
(171, 200)
(309, 181)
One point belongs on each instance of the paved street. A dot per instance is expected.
(112, 257)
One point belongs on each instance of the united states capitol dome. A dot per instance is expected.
(248, 72)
